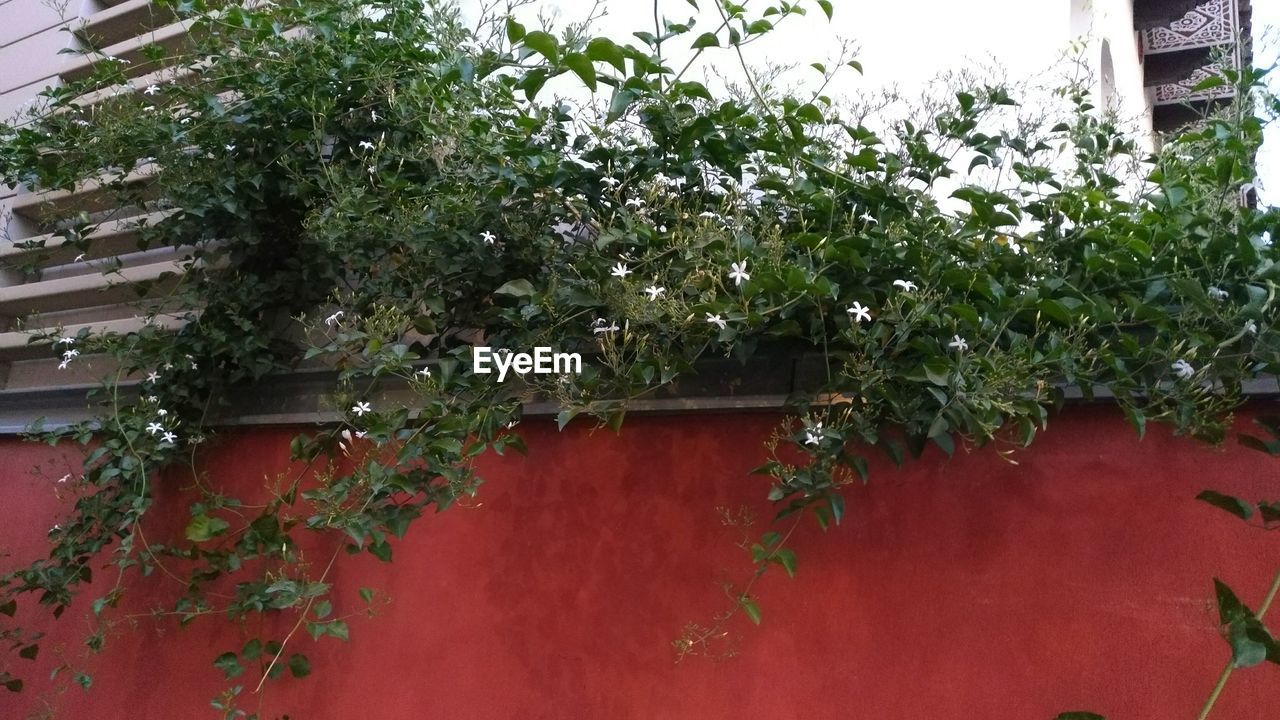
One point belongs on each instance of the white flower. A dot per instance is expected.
(634, 202)
(361, 408)
(151, 90)
(739, 272)
(906, 285)
(488, 237)
(1183, 369)
(334, 318)
(1250, 327)
(366, 144)
(152, 399)
(64, 478)
(610, 181)
(65, 340)
(167, 366)
(1015, 247)
(361, 433)
(1217, 293)
(373, 169)
(63, 365)
(373, 114)
(168, 437)
(70, 354)
(153, 377)
(716, 320)
(230, 148)
(654, 292)
(602, 326)
(958, 344)
(424, 372)
(814, 435)
(620, 270)
(868, 218)
(162, 412)
(859, 313)
(154, 428)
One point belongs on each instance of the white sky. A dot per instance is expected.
(908, 42)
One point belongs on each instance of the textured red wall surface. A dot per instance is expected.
(1080, 578)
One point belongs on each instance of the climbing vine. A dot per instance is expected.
(373, 189)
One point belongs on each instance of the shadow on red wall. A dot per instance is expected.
(1080, 578)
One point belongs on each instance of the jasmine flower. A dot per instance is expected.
(1183, 369)
(859, 313)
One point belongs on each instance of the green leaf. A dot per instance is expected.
(29, 652)
(1233, 505)
(1209, 83)
(366, 594)
(1249, 640)
(9, 608)
(339, 629)
(252, 650)
(750, 608)
(826, 7)
(381, 550)
(322, 609)
(619, 103)
(228, 664)
(706, 40)
(606, 50)
(203, 528)
(544, 44)
(13, 685)
(581, 66)
(944, 441)
(787, 559)
(299, 665)
(515, 31)
(836, 500)
(564, 416)
(515, 288)
(938, 371)
(1246, 652)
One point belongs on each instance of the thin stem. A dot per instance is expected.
(1231, 665)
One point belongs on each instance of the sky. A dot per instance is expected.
(908, 42)
(1266, 33)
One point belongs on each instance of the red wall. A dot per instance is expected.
(1080, 578)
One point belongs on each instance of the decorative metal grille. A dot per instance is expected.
(1215, 22)
(1185, 91)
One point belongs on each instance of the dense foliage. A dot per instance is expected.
(387, 188)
